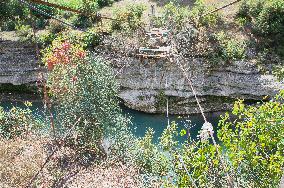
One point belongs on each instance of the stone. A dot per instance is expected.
(142, 82)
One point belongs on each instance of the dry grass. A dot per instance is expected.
(115, 176)
(21, 159)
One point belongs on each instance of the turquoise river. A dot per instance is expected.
(142, 121)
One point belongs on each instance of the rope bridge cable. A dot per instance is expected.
(213, 11)
(192, 88)
(220, 8)
(71, 9)
(186, 170)
(32, 7)
(205, 119)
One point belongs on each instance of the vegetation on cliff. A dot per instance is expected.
(84, 131)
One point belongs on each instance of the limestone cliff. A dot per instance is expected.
(18, 63)
(145, 86)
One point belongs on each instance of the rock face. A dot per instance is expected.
(147, 87)
(18, 63)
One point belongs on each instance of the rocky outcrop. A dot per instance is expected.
(146, 87)
(18, 64)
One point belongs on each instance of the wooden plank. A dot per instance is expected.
(152, 56)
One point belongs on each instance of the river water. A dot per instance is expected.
(142, 121)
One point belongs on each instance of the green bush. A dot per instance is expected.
(103, 3)
(254, 143)
(148, 157)
(88, 40)
(55, 26)
(9, 11)
(84, 88)
(198, 10)
(17, 121)
(266, 16)
(177, 16)
(25, 32)
(229, 49)
(45, 38)
(174, 16)
(129, 18)
(250, 152)
(161, 100)
(82, 21)
(92, 38)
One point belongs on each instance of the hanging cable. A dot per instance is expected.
(71, 9)
(220, 8)
(192, 88)
(50, 16)
(207, 127)
(186, 170)
(166, 86)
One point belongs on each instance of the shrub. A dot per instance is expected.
(254, 142)
(148, 157)
(82, 21)
(17, 121)
(82, 88)
(55, 26)
(266, 16)
(200, 9)
(128, 18)
(229, 49)
(251, 154)
(176, 16)
(10, 10)
(25, 32)
(92, 38)
(103, 3)
(161, 100)
(45, 38)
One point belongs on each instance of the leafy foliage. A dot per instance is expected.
(17, 121)
(229, 49)
(197, 12)
(177, 16)
(25, 32)
(103, 3)
(92, 38)
(148, 157)
(250, 152)
(128, 18)
(173, 16)
(82, 88)
(10, 9)
(45, 38)
(161, 99)
(254, 142)
(265, 15)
